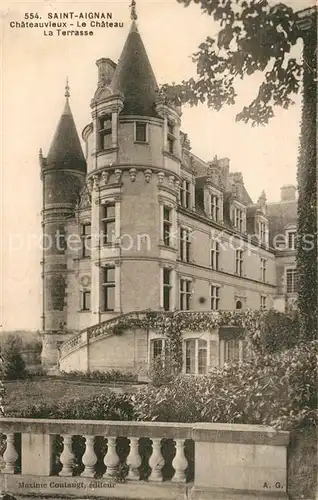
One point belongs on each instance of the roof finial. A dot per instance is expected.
(67, 89)
(133, 13)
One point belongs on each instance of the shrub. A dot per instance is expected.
(160, 372)
(277, 331)
(13, 364)
(277, 389)
(98, 376)
(106, 406)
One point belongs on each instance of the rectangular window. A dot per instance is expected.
(262, 232)
(291, 240)
(263, 270)
(215, 297)
(109, 288)
(185, 294)
(239, 262)
(291, 281)
(105, 132)
(86, 240)
(156, 349)
(108, 223)
(185, 194)
(86, 300)
(231, 350)
(166, 289)
(215, 207)
(263, 302)
(202, 356)
(184, 244)
(190, 349)
(171, 138)
(140, 132)
(167, 225)
(239, 219)
(215, 255)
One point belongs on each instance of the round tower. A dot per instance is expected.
(62, 174)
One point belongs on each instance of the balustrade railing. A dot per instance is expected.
(142, 459)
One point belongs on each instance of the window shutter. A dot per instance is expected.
(214, 353)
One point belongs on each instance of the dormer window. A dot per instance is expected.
(105, 132)
(215, 207)
(238, 218)
(291, 239)
(171, 137)
(141, 132)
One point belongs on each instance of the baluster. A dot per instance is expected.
(67, 456)
(89, 458)
(10, 455)
(179, 463)
(111, 459)
(156, 461)
(133, 460)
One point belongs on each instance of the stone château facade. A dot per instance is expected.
(141, 223)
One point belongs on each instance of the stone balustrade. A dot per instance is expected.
(142, 459)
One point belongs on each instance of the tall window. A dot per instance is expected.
(86, 240)
(239, 262)
(105, 132)
(239, 219)
(166, 289)
(263, 270)
(140, 132)
(231, 350)
(215, 207)
(215, 297)
(171, 137)
(184, 244)
(167, 225)
(109, 288)
(262, 231)
(291, 240)
(185, 294)
(291, 281)
(196, 356)
(215, 255)
(185, 194)
(86, 300)
(108, 223)
(156, 349)
(263, 302)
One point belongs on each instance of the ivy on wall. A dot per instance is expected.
(173, 324)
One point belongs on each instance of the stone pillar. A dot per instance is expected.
(115, 129)
(96, 239)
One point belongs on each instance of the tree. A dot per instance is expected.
(13, 365)
(256, 37)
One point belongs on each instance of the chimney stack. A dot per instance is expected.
(106, 70)
(288, 193)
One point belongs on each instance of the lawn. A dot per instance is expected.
(32, 391)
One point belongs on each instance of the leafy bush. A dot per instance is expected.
(160, 372)
(97, 376)
(277, 331)
(13, 364)
(277, 389)
(106, 406)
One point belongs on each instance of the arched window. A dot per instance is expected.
(238, 304)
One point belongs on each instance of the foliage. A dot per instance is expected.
(277, 389)
(98, 376)
(307, 194)
(161, 372)
(105, 406)
(253, 37)
(277, 331)
(13, 364)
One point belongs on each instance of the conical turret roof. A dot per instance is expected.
(66, 150)
(135, 78)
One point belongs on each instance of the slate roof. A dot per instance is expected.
(135, 78)
(66, 150)
(280, 215)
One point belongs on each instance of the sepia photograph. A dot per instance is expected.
(158, 263)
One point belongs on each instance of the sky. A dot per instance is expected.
(34, 70)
